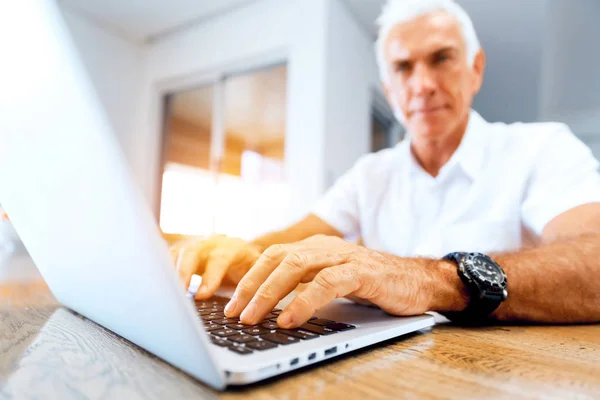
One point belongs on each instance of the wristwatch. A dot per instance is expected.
(486, 283)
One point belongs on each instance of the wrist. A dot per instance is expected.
(449, 291)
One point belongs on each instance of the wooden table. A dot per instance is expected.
(48, 352)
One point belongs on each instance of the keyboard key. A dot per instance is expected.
(215, 300)
(211, 317)
(270, 325)
(274, 319)
(212, 309)
(271, 315)
(338, 326)
(220, 342)
(225, 321)
(279, 338)
(238, 326)
(225, 332)
(256, 331)
(205, 313)
(252, 326)
(219, 300)
(261, 345)
(240, 350)
(276, 311)
(203, 306)
(321, 321)
(206, 304)
(306, 335)
(241, 338)
(212, 327)
(321, 330)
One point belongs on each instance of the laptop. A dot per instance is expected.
(71, 197)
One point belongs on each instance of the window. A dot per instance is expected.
(224, 157)
(385, 130)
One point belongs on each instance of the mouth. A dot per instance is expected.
(425, 111)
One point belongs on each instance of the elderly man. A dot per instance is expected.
(458, 183)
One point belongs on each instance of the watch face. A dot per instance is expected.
(486, 271)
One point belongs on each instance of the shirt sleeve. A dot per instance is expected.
(564, 176)
(339, 207)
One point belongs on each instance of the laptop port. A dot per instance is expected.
(330, 351)
(294, 362)
(312, 356)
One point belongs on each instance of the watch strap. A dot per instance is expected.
(480, 306)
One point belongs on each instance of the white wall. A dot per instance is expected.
(330, 63)
(572, 57)
(570, 90)
(351, 77)
(114, 66)
(511, 32)
(543, 62)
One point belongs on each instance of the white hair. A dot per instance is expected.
(399, 11)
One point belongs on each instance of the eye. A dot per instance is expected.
(441, 58)
(401, 66)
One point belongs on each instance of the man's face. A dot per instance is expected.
(430, 81)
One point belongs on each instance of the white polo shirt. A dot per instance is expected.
(502, 181)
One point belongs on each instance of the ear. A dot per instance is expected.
(478, 70)
(386, 91)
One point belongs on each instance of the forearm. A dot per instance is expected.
(557, 282)
(553, 283)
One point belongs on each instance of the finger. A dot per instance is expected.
(188, 262)
(284, 279)
(309, 276)
(247, 257)
(219, 261)
(329, 284)
(250, 283)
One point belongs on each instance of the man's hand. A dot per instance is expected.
(216, 258)
(336, 268)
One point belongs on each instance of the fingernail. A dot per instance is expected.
(285, 319)
(248, 313)
(230, 307)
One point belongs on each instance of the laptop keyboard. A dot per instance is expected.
(246, 339)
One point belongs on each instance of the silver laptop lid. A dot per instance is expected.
(69, 193)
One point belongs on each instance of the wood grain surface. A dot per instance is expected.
(49, 352)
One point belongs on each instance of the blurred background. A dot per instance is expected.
(236, 115)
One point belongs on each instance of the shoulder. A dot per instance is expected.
(535, 140)
(380, 163)
(528, 133)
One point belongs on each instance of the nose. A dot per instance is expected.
(422, 81)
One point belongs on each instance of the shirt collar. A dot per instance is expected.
(469, 155)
